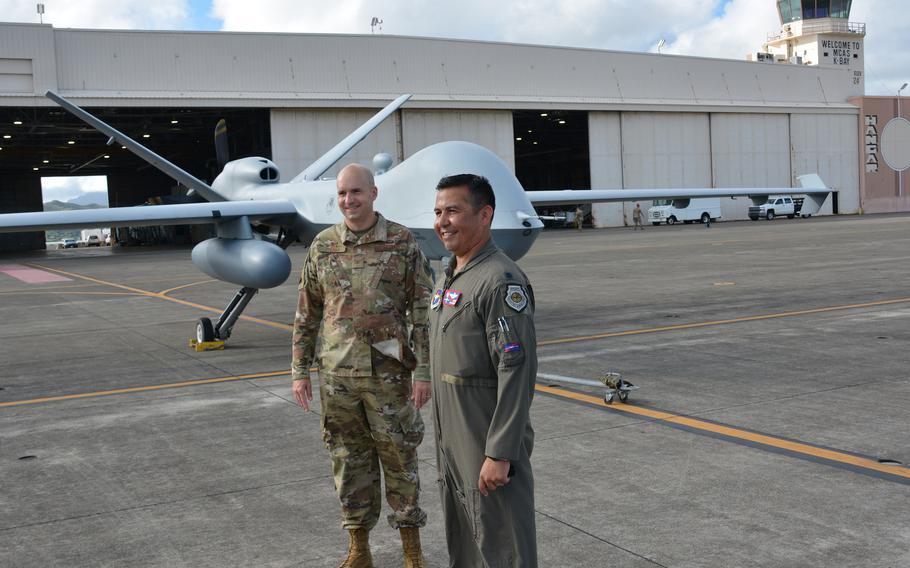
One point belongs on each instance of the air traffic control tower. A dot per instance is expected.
(817, 32)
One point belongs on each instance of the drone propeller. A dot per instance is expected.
(222, 153)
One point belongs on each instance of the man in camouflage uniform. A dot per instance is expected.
(483, 354)
(579, 217)
(364, 291)
(636, 218)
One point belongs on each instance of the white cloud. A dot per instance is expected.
(119, 14)
(614, 24)
(67, 188)
(887, 55)
(743, 26)
(739, 29)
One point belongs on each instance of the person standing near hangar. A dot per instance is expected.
(365, 285)
(483, 359)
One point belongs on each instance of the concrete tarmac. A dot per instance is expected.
(770, 429)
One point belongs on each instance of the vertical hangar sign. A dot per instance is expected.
(871, 146)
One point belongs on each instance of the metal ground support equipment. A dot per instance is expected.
(616, 385)
(613, 381)
(216, 345)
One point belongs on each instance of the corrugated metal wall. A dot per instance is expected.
(749, 150)
(27, 61)
(289, 70)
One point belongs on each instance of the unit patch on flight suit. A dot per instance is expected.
(451, 298)
(516, 297)
(437, 299)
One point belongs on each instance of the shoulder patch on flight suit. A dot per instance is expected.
(516, 297)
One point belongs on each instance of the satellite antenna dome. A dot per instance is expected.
(382, 163)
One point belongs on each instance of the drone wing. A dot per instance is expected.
(812, 187)
(276, 212)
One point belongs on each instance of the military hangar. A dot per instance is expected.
(561, 117)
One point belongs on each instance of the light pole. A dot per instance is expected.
(904, 86)
(900, 173)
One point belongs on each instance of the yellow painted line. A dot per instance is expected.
(659, 329)
(731, 432)
(723, 321)
(659, 415)
(169, 290)
(90, 279)
(162, 296)
(146, 388)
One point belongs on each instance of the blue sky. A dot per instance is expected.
(200, 18)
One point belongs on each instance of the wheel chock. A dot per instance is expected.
(216, 345)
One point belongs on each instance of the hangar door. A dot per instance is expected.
(491, 129)
(826, 144)
(664, 149)
(749, 150)
(299, 137)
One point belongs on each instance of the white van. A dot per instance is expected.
(672, 211)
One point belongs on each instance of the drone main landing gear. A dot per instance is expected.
(212, 335)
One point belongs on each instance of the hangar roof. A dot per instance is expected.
(212, 69)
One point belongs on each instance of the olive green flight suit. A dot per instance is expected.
(365, 297)
(483, 364)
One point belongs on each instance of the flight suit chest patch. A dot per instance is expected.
(437, 299)
(451, 297)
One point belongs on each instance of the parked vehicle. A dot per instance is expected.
(68, 243)
(672, 211)
(777, 206)
(92, 237)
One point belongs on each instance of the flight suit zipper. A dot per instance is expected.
(463, 307)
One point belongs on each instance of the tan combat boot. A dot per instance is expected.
(410, 542)
(359, 553)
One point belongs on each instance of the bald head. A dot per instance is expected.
(356, 173)
(356, 194)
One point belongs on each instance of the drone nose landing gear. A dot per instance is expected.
(209, 335)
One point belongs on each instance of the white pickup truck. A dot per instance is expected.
(776, 207)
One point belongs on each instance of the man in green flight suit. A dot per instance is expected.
(483, 359)
(365, 292)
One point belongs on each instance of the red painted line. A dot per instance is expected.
(31, 275)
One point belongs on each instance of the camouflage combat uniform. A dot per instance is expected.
(483, 355)
(366, 298)
(636, 219)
